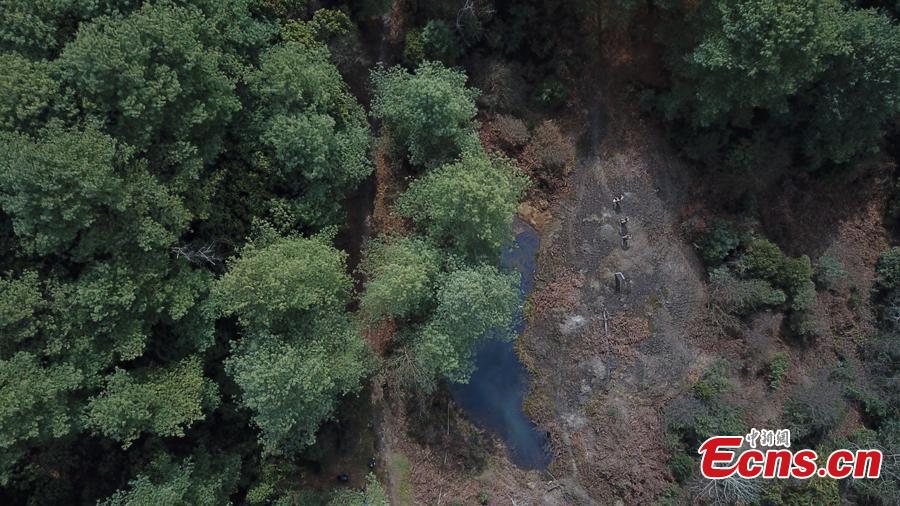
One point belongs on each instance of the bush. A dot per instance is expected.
(796, 274)
(829, 271)
(712, 383)
(722, 238)
(805, 325)
(551, 93)
(682, 466)
(413, 49)
(778, 369)
(804, 297)
(740, 296)
(763, 259)
(887, 271)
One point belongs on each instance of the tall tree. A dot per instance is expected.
(311, 132)
(467, 205)
(428, 112)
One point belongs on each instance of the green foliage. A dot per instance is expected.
(720, 240)
(284, 287)
(159, 401)
(156, 80)
(886, 490)
(813, 77)
(742, 296)
(28, 95)
(712, 384)
(429, 112)
(401, 274)
(763, 259)
(551, 94)
(40, 28)
(312, 134)
(682, 466)
(829, 271)
(292, 385)
(467, 205)
(472, 304)
(35, 401)
(20, 299)
(413, 48)
(439, 42)
(887, 271)
(778, 369)
(201, 480)
(325, 24)
(81, 177)
(816, 490)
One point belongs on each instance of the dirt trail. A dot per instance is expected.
(604, 362)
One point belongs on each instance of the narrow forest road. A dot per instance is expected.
(604, 362)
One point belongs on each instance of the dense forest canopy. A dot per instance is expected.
(178, 317)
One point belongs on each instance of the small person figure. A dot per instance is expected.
(625, 239)
(617, 202)
(623, 226)
(372, 463)
(343, 477)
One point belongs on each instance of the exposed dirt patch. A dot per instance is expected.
(608, 379)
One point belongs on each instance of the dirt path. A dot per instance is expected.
(604, 362)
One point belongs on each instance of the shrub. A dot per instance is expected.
(722, 238)
(551, 93)
(742, 296)
(829, 271)
(763, 259)
(413, 49)
(778, 369)
(682, 466)
(805, 325)
(796, 274)
(804, 297)
(502, 86)
(712, 383)
(887, 271)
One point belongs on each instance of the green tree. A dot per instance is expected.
(312, 134)
(36, 405)
(20, 300)
(814, 78)
(467, 205)
(430, 112)
(887, 271)
(284, 287)
(291, 386)
(158, 401)
(472, 304)
(155, 78)
(203, 479)
(28, 94)
(401, 274)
